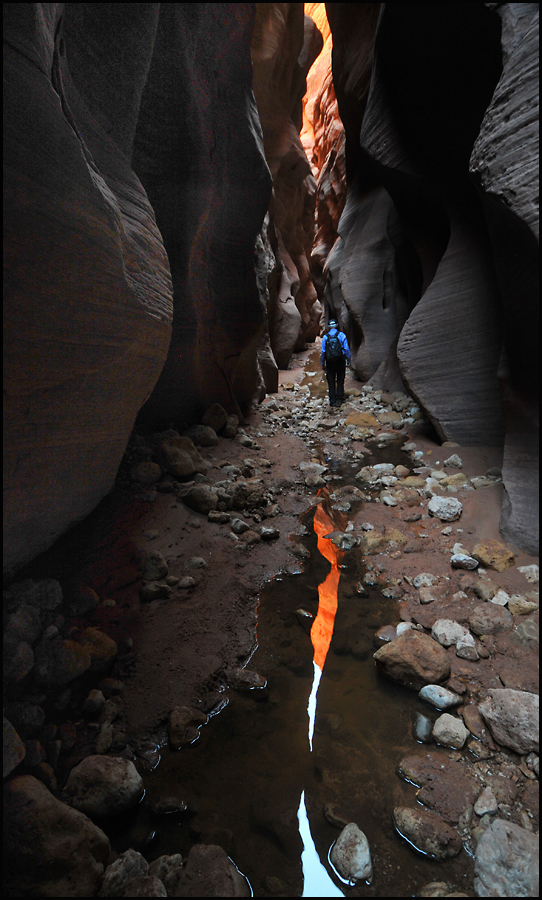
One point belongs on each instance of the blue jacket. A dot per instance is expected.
(342, 340)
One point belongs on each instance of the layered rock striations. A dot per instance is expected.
(323, 140)
(284, 46)
(198, 151)
(434, 272)
(88, 304)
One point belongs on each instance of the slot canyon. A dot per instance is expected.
(257, 643)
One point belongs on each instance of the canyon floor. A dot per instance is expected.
(185, 650)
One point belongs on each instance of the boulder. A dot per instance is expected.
(145, 472)
(24, 624)
(512, 717)
(450, 731)
(447, 632)
(51, 849)
(215, 417)
(494, 555)
(447, 509)
(507, 862)
(210, 873)
(180, 457)
(152, 566)
(200, 498)
(44, 594)
(184, 724)
(351, 856)
(104, 786)
(203, 436)
(168, 869)
(414, 660)
(439, 696)
(144, 886)
(101, 647)
(118, 874)
(427, 832)
(82, 599)
(59, 662)
(26, 717)
(490, 618)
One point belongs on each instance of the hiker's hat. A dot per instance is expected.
(332, 323)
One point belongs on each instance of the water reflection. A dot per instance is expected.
(316, 881)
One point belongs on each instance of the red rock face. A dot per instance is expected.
(284, 45)
(87, 281)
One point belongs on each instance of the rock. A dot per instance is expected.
(490, 619)
(210, 873)
(447, 509)
(220, 518)
(512, 717)
(51, 849)
(24, 624)
(238, 526)
(153, 591)
(486, 803)
(18, 659)
(81, 600)
(427, 832)
(500, 597)
(414, 660)
(424, 580)
(507, 862)
(14, 749)
(180, 457)
(59, 662)
(439, 696)
(104, 786)
(152, 566)
(450, 731)
(27, 718)
(187, 582)
(462, 561)
(267, 533)
(200, 498)
(447, 632)
(195, 562)
(521, 606)
(245, 679)
(248, 494)
(530, 572)
(94, 703)
(101, 647)
(361, 419)
(168, 869)
(465, 647)
(116, 876)
(351, 856)
(453, 461)
(202, 436)
(373, 542)
(384, 635)
(215, 417)
(231, 427)
(430, 594)
(494, 555)
(423, 729)
(345, 541)
(144, 886)
(44, 594)
(183, 726)
(145, 472)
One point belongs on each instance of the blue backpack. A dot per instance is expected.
(334, 350)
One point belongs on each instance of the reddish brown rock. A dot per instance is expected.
(445, 784)
(413, 659)
(490, 619)
(87, 282)
(427, 832)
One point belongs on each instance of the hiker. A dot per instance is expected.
(333, 358)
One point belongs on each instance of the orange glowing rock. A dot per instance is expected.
(322, 629)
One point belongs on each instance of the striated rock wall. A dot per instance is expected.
(434, 274)
(284, 46)
(87, 304)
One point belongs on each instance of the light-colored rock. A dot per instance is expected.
(500, 597)
(486, 803)
(507, 862)
(425, 579)
(427, 832)
(465, 647)
(51, 850)
(447, 632)
(513, 719)
(494, 555)
(521, 606)
(462, 561)
(450, 731)
(351, 855)
(439, 697)
(414, 660)
(491, 618)
(116, 876)
(447, 509)
(453, 461)
(104, 786)
(530, 572)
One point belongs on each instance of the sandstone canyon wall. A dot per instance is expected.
(434, 274)
(88, 299)
(284, 46)
(135, 187)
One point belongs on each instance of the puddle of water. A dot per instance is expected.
(327, 733)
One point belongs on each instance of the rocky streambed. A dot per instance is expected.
(160, 663)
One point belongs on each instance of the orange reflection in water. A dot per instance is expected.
(322, 628)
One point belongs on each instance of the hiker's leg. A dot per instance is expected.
(330, 375)
(341, 371)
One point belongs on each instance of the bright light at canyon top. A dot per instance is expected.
(315, 138)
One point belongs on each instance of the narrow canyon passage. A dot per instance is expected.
(258, 643)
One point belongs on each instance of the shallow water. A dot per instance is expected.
(327, 730)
